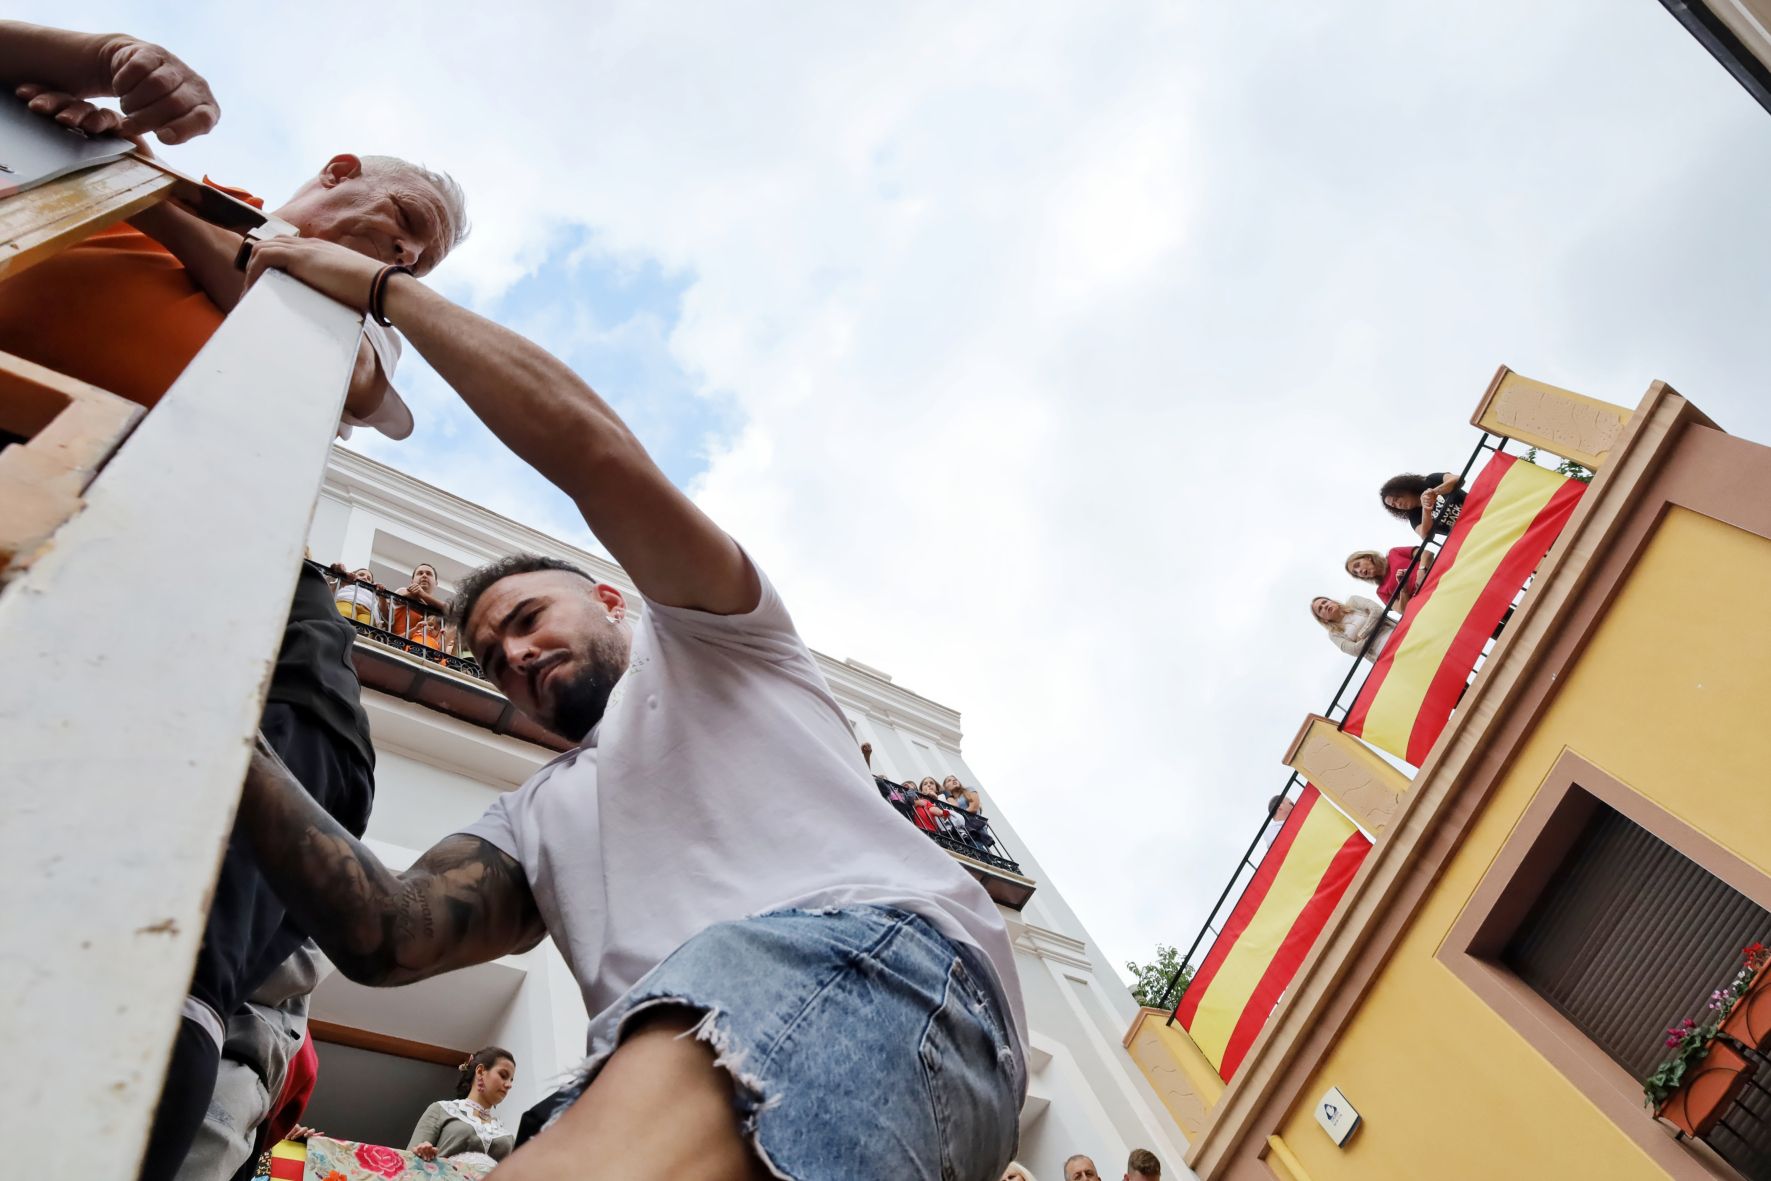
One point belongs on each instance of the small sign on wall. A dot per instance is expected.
(1336, 1115)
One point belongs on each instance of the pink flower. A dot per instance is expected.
(1672, 1042)
(380, 1160)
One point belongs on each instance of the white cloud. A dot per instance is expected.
(1070, 341)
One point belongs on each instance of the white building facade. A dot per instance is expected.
(447, 743)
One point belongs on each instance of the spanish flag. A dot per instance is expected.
(1514, 513)
(288, 1160)
(1271, 929)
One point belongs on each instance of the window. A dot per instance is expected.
(1602, 920)
(1630, 935)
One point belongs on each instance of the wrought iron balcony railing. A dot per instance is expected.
(405, 624)
(949, 825)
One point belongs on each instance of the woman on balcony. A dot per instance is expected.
(421, 620)
(1349, 623)
(927, 811)
(1386, 571)
(1417, 499)
(464, 1129)
(358, 595)
(965, 801)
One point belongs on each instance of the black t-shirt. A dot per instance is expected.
(1453, 500)
(314, 671)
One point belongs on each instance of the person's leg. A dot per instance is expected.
(190, 1081)
(246, 936)
(842, 1043)
(659, 1108)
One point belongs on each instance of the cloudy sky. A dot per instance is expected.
(1047, 355)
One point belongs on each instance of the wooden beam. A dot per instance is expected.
(38, 222)
(127, 712)
(384, 1043)
(1560, 421)
(72, 428)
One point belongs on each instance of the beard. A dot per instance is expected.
(579, 702)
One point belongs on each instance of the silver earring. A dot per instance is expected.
(613, 618)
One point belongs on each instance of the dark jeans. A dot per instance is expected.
(248, 933)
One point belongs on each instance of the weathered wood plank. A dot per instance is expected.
(127, 710)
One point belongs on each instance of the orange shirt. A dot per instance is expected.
(117, 311)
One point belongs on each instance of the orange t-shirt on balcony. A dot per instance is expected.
(117, 311)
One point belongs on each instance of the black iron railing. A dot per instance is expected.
(949, 824)
(399, 622)
(1344, 695)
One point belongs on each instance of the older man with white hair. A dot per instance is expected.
(126, 310)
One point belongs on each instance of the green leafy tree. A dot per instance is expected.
(1151, 978)
(1567, 467)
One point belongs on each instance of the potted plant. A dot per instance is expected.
(1694, 1087)
(1746, 1012)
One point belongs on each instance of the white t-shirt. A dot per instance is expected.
(721, 783)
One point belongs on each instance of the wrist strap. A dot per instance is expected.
(378, 291)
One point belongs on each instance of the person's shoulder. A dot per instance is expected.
(766, 629)
(237, 194)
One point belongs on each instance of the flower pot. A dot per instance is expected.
(1749, 1022)
(1708, 1091)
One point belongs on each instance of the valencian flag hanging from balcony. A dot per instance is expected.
(1271, 929)
(1512, 516)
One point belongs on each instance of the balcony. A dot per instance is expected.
(968, 837)
(406, 649)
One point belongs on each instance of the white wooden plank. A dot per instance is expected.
(133, 661)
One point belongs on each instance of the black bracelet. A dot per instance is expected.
(378, 291)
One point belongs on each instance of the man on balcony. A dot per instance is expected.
(126, 310)
(786, 980)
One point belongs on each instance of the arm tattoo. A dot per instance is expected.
(464, 902)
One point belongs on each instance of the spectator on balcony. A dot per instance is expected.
(1349, 623)
(709, 741)
(1278, 808)
(465, 1128)
(926, 809)
(1143, 1166)
(358, 595)
(1387, 569)
(1429, 503)
(970, 809)
(413, 621)
(126, 309)
(867, 754)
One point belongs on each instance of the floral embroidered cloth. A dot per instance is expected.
(346, 1160)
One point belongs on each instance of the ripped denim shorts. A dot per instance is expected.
(861, 1043)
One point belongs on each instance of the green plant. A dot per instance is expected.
(1566, 467)
(1690, 1041)
(1150, 979)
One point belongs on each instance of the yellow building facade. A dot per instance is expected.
(1474, 998)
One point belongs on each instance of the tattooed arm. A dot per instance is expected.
(464, 902)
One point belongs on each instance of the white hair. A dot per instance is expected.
(449, 193)
(1025, 1173)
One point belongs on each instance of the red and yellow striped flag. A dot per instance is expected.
(1270, 930)
(1513, 514)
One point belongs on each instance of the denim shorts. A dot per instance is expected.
(861, 1043)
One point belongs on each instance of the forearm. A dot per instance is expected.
(338, 891)
(530, 399)
(61, 58)
(207, 251)
(556, 423)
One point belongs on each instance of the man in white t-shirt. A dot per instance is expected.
(784, 978)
